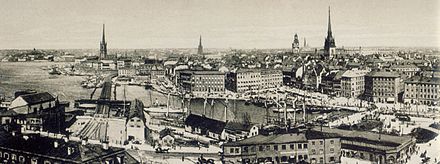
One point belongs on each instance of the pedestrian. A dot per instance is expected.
(183, 158)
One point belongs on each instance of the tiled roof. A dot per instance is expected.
(37, 98)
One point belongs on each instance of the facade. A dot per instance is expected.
(409, 70)
(35, 111)
(285, 148)
(329, 44)
(271, 79)
(103, 45)
(382, 87)
(422, 90)
(128, 72)
(198, 82)
(18, 148)
(107, 65)
(246, 80)
(374, 147)
(205, 126)
(352, 83)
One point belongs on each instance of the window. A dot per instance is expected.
(313, 142)
(252, 149)
(292, 146)
(267, 147)
(321, 151)
(275, 147)
(237, 150)
(299, 146)
(321, 142)
(332, 150)
(14, 157)
(305, 146)
(332, 159)
(245, 149)
(313, 151)
(283, 147)
(332, 142)
(306, 157)
(260, 148)
(6, 156)
(321, 160)
(21, 159)
(231, 150)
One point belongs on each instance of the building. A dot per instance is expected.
(247, 80)
(382, 87)
(306, 147)
(107, 64)
(200, 48)
(408, 70)
(331, 82)
(103, 45)
(200, 82)
(329, 44)
(19, 148)
(295, 44)
(375, 147)
(422, 90)
(35, 111)
(205, 126)
(353, 83)
(127, 72)
(136, 122)
(238, 131)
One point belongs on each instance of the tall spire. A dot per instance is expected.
(103, 33)
(103, 45)
(329, 32)
(200, 48)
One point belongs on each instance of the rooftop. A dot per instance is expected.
(37, 98)
(367, 136)
(354, 73)
(44, 146)
(423, 80)
(204, 122)
(383, 74)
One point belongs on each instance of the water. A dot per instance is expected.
(29, 75)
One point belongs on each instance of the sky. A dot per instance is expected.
(75, 24)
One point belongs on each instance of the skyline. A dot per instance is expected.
(256, 24)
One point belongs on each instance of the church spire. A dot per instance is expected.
(103, 45)
(329, 32)
(200, 48)
(103, 33)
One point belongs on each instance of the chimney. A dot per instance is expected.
(105, 145)
(70, 150)
(66, 139)
(55, 144)
(84, 141)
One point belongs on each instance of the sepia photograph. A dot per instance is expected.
(219, 82)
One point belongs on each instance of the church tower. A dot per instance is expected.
(295, 44)
(200, 48)
(329, 44)
(103, 45)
